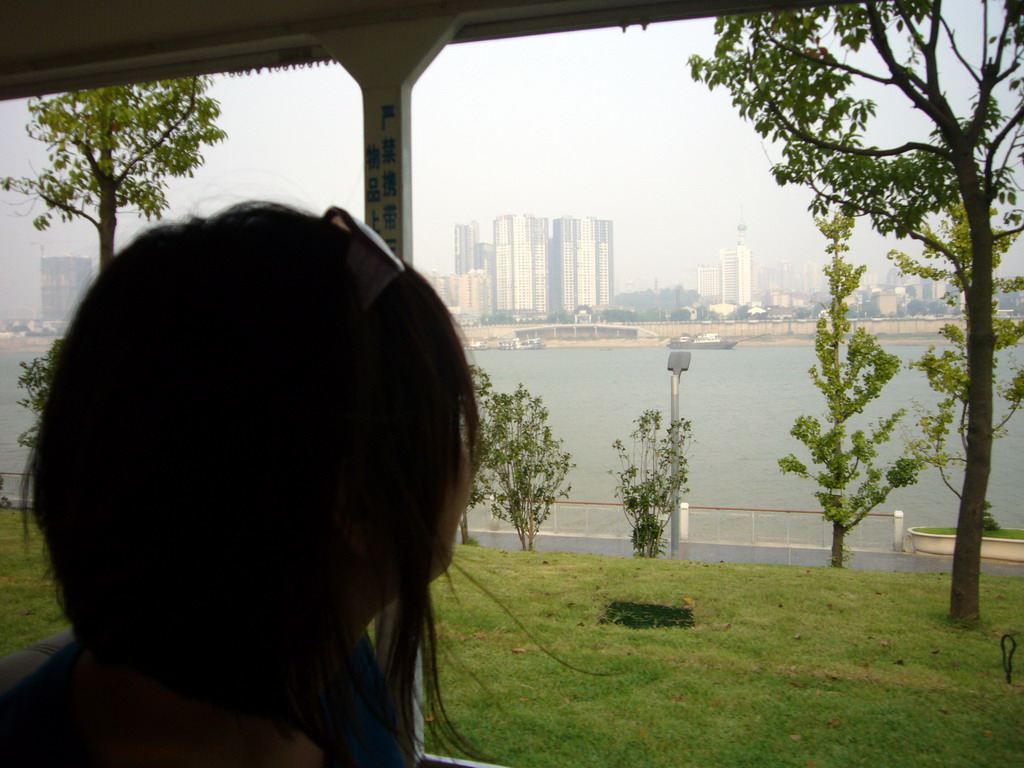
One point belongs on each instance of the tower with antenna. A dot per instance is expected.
(737, 270)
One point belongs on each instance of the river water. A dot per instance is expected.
(741, 403)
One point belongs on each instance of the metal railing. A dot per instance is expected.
(713, 525)
(13, 484)
(752, 526)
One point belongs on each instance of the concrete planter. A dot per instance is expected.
(941, 544)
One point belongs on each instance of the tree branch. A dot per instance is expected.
(1006, 418)
(963, 425)
(829, 63)
(996, 236)
(832, 146)
(956, 52)
(945, 480)
(921, 237)
(908, 81)
(1003, 33)
(881, 213)
(929, 48)
(164, 135)
(880, 35)
(69, 209)
(1011, 124)
(86, 151)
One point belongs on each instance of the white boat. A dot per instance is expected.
(701, 341)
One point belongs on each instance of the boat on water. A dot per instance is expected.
(701, 341)
(475, 346)
(536, 343)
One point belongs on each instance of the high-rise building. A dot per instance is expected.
(581, 266)
(604, 259)
(521, 264)
(446, 287)
(709, 281)
(787, 276)
(483, 259)
(465, 242)
(934, 289)
(813, 276)
(475, 293)
(63, 279)
(737, 265)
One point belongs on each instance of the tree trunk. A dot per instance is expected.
(464, 526)
(839, 532)
(838, 529)
(964, 601)
(108, 221)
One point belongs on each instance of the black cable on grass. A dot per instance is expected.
(1008, 657)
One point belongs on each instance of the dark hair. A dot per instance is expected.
(226, 430)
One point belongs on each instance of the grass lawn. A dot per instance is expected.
(28, 608)
(784, 666)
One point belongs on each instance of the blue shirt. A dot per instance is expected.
(37, 729)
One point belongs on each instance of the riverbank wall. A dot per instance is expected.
(748, 333)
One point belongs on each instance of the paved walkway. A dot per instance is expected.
(863, 559)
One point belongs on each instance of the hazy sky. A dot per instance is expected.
(602, 123)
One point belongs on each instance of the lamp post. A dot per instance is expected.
(678, 361)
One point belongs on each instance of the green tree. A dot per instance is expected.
(523, 470)
(917, 307)
(847, 385)
(804, 79)
(646, 484)
(500, 318)
(947, 370)
(115, 148)
(619, 316)
(483, 390)
(36, 378)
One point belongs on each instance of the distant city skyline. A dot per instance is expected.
(600, 123)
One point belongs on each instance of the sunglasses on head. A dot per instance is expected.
(372, 263)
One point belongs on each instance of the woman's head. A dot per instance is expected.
(238, 437)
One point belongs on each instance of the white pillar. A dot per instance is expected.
(897, 530)
(386, 60)
(674, 522)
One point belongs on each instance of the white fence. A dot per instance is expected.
(714, 525)
(698, 524)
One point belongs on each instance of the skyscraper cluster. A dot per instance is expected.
(532, 268)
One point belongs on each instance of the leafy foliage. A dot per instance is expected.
(847, 385)
(646, 484)
(522, 469)
(115, 148)
(803, 78)
(35, 379)
(825, 56)
(947, 370)
(483, 390)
